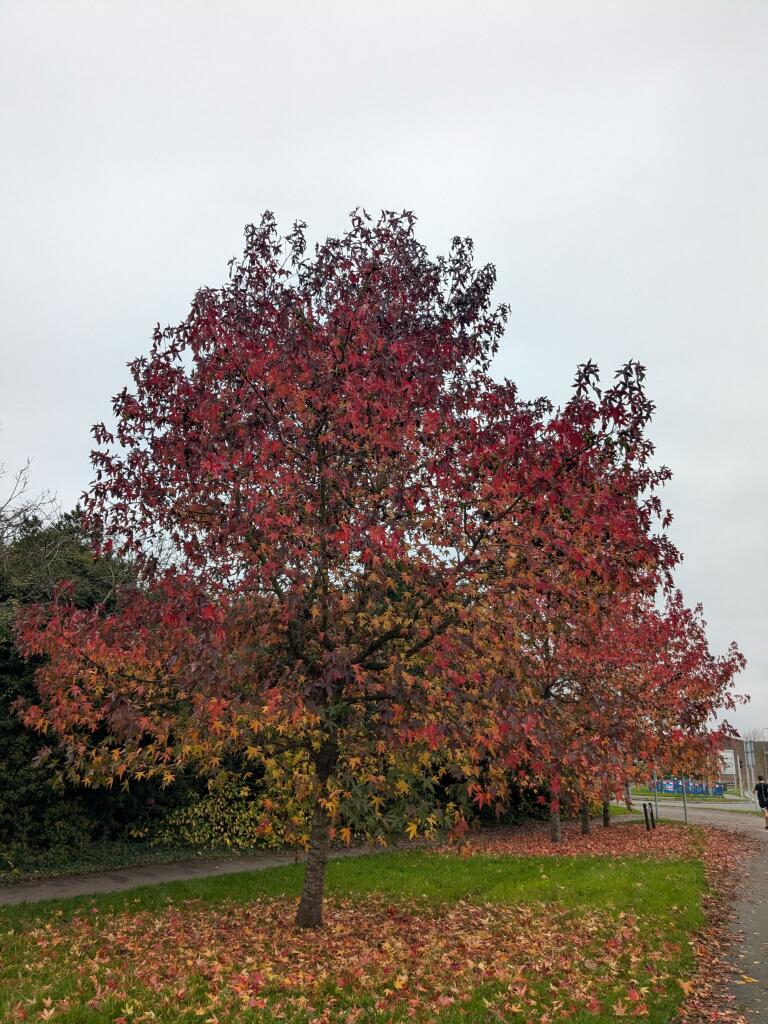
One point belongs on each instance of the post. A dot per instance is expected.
(685, 803)
(653, 818)
(647, 816)
(656, 795)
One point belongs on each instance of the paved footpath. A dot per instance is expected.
(750, 912)
(151, 874)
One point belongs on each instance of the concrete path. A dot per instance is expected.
(150, 874)
(750, 912)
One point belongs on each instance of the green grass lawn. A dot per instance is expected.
(409, 936)
(617, 810)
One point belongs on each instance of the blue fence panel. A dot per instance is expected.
(691, 788)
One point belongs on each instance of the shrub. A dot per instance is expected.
(236, 813)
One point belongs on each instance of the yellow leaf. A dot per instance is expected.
(411, 829)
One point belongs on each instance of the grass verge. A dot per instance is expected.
(409, 936)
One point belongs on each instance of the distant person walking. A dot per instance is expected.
(761, 789)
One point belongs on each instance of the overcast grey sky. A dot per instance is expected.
(611, 158)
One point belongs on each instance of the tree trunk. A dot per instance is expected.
(585, 824)
(310, 911)
(554, 826)
(606, 813)
(628, 797)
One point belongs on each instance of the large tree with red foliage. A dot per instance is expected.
(330, 504)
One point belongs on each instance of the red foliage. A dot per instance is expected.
(612, 692)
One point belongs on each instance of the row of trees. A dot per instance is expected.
(368, 569)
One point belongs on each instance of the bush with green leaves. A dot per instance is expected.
(235, 813)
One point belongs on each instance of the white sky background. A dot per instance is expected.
(610, 158)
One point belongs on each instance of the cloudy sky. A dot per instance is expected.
(611, 158)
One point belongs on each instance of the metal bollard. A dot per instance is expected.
(647, 816)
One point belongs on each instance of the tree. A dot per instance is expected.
(25, 789)
(632, 688)
(18, 509)
(328, 500)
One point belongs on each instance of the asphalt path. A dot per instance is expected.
(151, 874)
(750, 912)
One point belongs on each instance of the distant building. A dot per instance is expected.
(742, 761)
